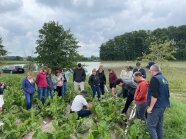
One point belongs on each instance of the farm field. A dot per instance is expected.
(54, 121)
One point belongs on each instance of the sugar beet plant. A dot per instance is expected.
(105, 122)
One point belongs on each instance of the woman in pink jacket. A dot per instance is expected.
(42, 85)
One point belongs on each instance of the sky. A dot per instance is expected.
(92, 22)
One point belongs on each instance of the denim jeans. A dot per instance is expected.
(50, 92)
(141, 111)
(42, 93)
(155, 123)
(84, 113)
(64, 89)
(96, 89)
(28, 98)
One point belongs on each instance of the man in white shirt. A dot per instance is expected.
(78, 103)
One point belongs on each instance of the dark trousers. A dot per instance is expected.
(28, 98)
(96, 89)
(155, 123)
(59, 90)
(141, 111)
(84, 113)
(102, 88)
(130, 98)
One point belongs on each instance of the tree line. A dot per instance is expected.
(134, 45)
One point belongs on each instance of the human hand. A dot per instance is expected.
(149, 110)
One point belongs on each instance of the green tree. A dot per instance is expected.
(56, 47)
(3, 52)
(161, 51)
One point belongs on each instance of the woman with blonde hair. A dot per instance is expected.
(28, 86)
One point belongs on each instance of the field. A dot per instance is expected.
(53, 120)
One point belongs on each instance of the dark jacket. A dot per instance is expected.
(143, 72)
(163, 88)
(102, 77)
(128, 88)
(49, 82)
(28, 87)
(79, 75)
(94, 80)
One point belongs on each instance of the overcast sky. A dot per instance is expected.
(91, 21)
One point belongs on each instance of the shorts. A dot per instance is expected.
(1, 101)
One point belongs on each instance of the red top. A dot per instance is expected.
(140, 95)
(112, 77)
(41, 79)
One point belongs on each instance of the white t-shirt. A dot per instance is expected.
(78, 103)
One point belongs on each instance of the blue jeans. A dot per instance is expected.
(141, 111)
(50, 92)
(28, 98)
(155, 123)
(64, 89)
(42, 93)
(96, 89)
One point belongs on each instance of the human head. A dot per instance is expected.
(94, 71)
(44, 69)
(29, 75)
(138, 76)
(154, 69)
(110, 70)
(57, 73)
(49, 71)
(138, 64)
(126, 68)
(84, 93)
(119, 82)
(79, 65)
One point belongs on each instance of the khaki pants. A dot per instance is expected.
(78, 85)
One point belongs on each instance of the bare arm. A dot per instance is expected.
(153, 101)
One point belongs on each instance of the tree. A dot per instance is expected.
(56, 47)
(3, 52)
(161, 51)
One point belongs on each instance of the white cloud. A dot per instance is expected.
(91, 21)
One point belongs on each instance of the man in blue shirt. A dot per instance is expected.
(157, 101)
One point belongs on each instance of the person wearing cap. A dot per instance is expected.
(79, 78)
(79, 102)
(140, 69)
(128, 88)
(157, 102)
(140, 96)
(94, 82)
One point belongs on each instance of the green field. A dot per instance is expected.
(105, 122)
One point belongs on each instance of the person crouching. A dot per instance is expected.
(78, 103)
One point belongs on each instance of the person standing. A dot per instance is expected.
(78, 103)
(57, 82)
(79, 78)
(126, 74)
(41, 82)
(140, 69)
(157, 101)
(65, 79)
(112, 78)
(28, 86)
(140, 96)
(94, 83)
(102, 79)
(50, 88)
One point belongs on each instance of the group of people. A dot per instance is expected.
(151, 98)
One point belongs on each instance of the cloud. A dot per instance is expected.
(92, 22)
